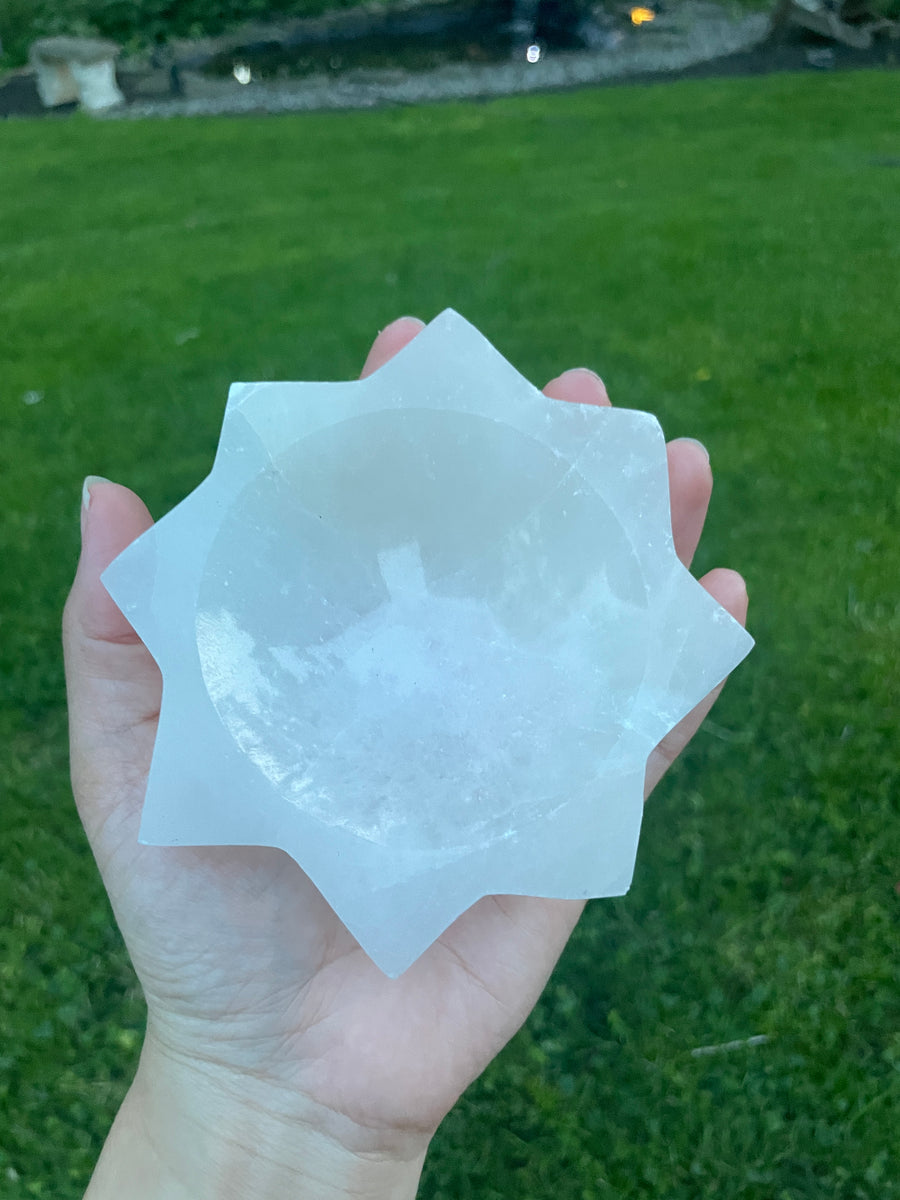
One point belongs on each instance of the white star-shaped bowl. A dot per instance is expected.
(421, 631)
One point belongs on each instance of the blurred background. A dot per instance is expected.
(718, 237)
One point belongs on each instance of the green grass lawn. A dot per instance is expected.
(726, 253)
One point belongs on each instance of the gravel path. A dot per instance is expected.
(697, 33)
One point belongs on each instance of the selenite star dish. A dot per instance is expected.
(421, 631)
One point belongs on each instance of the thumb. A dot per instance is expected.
(113, 683)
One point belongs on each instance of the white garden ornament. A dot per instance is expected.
(421, 631)
(74, 68)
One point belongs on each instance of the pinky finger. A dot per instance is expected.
(731, 592)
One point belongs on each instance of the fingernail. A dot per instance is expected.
(581, 371)
(696, 442)
(89, 482)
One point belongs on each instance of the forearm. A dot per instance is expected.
(178, 1136)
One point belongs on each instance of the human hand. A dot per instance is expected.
(278, 1059)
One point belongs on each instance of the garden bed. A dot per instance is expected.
(357, 60)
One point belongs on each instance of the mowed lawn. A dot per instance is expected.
(726, 254)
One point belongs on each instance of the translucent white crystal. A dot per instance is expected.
(421, 631)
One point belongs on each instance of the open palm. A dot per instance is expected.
(251, 981)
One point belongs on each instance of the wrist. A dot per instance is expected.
(195, 1132)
